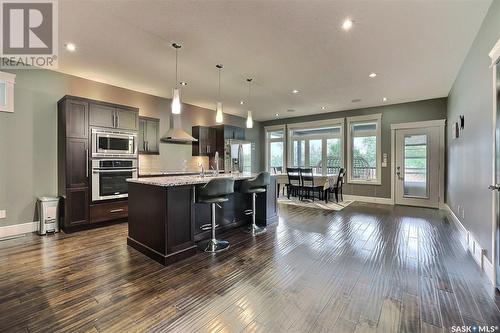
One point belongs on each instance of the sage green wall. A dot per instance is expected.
(431, 109)
(28, 137)
(470, 156)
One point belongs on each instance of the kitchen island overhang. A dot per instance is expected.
(165, 222)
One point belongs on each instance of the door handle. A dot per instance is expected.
(87, 162)
(495, 187)
(398, 172)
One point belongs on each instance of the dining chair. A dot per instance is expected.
(294, 183)
(308, 186)
(337, 188)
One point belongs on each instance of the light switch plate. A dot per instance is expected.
(3, 213)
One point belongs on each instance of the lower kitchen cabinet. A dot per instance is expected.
(108, 211)
(76, 207)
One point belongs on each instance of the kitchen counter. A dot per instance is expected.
(170, 173)
(165, 222)
(166, 173)
(173, 180)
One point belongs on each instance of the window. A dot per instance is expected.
(7, 81)
(275, 148)
(364, 161)
(317, 145)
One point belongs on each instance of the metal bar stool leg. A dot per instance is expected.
(214, 245)
(254, 229)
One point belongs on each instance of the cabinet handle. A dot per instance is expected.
(87, 163)
(113, 119)
(144, 145)
(117, 121)
(147, 145)
(116, 210)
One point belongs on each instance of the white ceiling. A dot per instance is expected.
(416, 47)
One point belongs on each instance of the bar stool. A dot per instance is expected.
(255, 186)
(214, 192)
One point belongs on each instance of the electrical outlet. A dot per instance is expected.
(3, 214)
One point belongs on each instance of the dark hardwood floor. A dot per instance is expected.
(368, 268)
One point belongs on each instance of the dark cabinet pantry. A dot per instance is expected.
(76, 116)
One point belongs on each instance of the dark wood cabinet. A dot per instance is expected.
(76, 119)
(76, 210)
(225, 132)
(108, 211)
(76, 115)
(149, 136)
(207, 141)
(77, 163)
(127, 119)
(109, 115)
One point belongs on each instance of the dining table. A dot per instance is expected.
(328, 181)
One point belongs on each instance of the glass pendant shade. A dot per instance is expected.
(176, 101)
(249, 120)
(219, 117)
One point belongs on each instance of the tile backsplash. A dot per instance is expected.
(155, 163)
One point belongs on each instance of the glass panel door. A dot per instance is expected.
(415, 180)
(275, 155)
(315, 155)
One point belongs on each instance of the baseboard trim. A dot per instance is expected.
(18, 229)
(470, 244)
(384, 201)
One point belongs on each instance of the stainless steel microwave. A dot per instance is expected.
(106, 143)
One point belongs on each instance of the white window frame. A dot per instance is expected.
(378, 132)
(311, 125)
(268, 141)
(10, 80)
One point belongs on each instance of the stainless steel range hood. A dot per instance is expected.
(176, 134)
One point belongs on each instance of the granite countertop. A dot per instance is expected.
(188, 180)
(169, 173)
(166, 173)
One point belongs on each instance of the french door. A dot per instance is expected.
(417, 160)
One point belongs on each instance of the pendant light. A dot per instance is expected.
(219, 116)
(176, 94)
(249, 113)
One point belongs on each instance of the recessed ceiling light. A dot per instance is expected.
(347, 24)
(372, 75)
(356, 100)
(183, 83)
(242, 102)
(384, 99)
(277, 114)
(323, 108)
(295, 91)
(70, 47)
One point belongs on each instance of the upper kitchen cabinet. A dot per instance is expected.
(233, 132)
(103, 115)
(76, 118)
(149, 135)
(206, 144)
(127, 119)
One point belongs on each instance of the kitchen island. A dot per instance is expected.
(165, 222)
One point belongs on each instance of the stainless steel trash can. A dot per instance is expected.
(48, 212)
